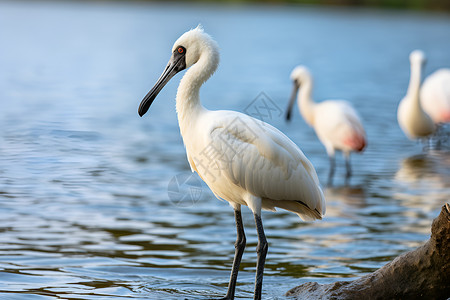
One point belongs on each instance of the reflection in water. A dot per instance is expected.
(427, 170)
(350, 195)
(424, 180)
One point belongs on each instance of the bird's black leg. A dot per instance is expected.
(438, 135)
(332, 167)
(348, 174)
(240, 246)
(261, 250)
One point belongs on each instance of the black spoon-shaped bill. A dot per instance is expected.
(176, 64)
(292, 100)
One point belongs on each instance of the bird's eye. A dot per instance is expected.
(180, 50)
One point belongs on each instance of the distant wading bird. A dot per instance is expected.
(336, 123)
(413, 120)
(243, 160)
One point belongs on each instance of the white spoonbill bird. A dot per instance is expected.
(336, 123)
(412, 119)
(243, 160)
(435, 96)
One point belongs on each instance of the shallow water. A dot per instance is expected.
(89, 206)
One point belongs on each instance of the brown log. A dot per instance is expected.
(423, 273)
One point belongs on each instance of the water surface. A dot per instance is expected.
(85, 208)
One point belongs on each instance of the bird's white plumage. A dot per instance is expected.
(435, 96)
(412, 119)
(339, 126)
(250, 156)
(336, 123)
(243, 160)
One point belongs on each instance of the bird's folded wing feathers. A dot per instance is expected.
(262, 160)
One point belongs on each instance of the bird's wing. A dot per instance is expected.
(262, 160)
(354, 119)
(338, 122)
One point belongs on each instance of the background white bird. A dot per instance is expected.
(413, 120)
(435, 96)
(336, 123)
(243, 160)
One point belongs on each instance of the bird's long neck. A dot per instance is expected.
(188, 104)
(414, 84)
(305, 102)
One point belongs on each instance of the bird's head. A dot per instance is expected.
(417, 57)
(299, 75)
(186, 51)
(196, 42)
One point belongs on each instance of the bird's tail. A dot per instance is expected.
(298, 207)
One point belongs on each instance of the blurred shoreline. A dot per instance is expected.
(408, 5)
(417, 5)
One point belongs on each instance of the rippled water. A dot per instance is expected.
(88, 205)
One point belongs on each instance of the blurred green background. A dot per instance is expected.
(442, 5)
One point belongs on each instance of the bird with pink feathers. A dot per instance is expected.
(336, 123)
